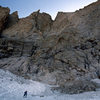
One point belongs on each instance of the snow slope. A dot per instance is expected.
(12, 87)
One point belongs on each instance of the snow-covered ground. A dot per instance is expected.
(13, 87)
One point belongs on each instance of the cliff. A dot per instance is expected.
(64, 51)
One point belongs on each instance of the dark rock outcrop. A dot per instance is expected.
(4, 13)
(12, 19)
(62, 51)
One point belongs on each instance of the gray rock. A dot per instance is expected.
(76, 87)
(63, 52)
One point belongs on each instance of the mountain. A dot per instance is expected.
(64, 51)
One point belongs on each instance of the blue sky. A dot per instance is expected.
(25, 7)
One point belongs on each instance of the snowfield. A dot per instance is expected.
(12, 87)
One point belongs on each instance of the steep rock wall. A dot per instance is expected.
(62, 51)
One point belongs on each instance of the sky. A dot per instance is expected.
(26, 7)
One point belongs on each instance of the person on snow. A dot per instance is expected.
(25, 94)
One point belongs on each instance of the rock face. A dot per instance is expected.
(64, 51)
(12, 19)
(4, 12)
(27, 28)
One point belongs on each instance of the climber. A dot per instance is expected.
(25, 94)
